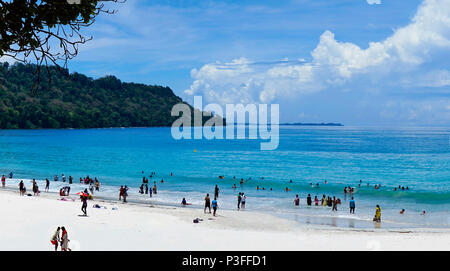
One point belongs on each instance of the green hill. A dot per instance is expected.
(77, 101)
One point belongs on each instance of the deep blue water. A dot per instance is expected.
(415, 157)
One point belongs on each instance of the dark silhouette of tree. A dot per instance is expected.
(46, 31)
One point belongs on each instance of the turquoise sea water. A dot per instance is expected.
(415, 157)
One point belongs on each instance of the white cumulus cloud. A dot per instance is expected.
(335, 64)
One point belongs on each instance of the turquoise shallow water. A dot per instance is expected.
(415, 157)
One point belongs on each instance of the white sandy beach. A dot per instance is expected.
(28, 223)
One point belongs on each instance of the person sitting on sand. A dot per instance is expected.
(402, 211)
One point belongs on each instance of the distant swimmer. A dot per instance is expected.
(234, 186)
(317, 185)
(241, 181)
(402, 211)
(326, 182)
(423, 212)
(297, 200)
(290, 181)
(257, 187)
(287, 189)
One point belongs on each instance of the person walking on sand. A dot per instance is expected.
(64, 240)
(47, 185)
(214, 206)
(84, 205)
(377, 217)
(21, 188)
(352, 206)
(120, 192)
(207, 203)
(3, 181)
(55, 238)
(125, 194)
(216, 191)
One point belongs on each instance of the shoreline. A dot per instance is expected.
(195, 209)
(134, 226)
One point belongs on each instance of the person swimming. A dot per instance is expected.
(402, 211)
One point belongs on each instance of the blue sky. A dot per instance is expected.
(374, 62)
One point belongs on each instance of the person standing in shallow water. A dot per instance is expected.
(377, 217)
(3, 181)
(239, 201)
(216, 191)
(244, 198)
(207, 203)
(296, 200)
(352, 206)
(308, 200)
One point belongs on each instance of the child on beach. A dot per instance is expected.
(297, 200)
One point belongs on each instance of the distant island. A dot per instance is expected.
(64, 100)
(313, 124)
